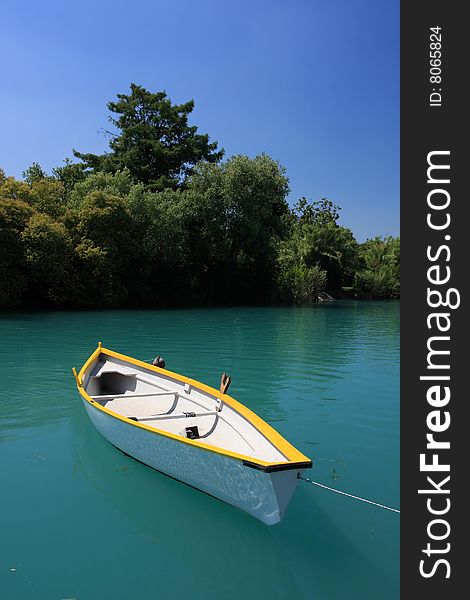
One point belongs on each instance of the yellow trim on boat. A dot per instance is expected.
(292, 454)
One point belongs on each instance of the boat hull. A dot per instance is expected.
(264, 495)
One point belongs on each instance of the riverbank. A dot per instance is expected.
(227, 236)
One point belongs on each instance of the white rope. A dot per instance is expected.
(346, 494)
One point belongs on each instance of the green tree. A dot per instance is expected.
(48, 195)
(119, 184)
(298, 280)
(34, 173)
(379, 275)
(155, 141)
(14, 216)
(13, 189)
(227, 221)
(105, 241)
(320, 212)
(255, 192)
(317, 239)
(47, 249)
(106, 221)
(69, 174)
(44, 193)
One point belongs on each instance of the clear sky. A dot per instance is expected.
(314, 84)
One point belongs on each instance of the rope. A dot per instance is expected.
(299, 476)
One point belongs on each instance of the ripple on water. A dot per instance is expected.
(326, 376)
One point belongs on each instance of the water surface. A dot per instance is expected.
(78, 519)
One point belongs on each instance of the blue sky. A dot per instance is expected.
(313, 84)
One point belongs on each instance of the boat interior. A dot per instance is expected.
(170, 405)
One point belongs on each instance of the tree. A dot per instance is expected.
(47, 249)
(119, 184)
(13, 189)
(14, 216)
(228, 219)
(319, 241)
(70, 174)
(298, 281)
(44, 193)
(379, 275)
(320, 212)
(34, 173)
(105, 241)
(48, 195)
(155, 141)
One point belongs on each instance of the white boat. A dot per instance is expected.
(191, 432)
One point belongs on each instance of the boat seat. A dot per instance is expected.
(140, 406)
(140, 395)
(182, 415)
(187, 424)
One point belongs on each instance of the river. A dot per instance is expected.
(79, 519)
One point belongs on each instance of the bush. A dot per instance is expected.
(301, 284)
(379, 276)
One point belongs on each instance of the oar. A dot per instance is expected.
(225, 382)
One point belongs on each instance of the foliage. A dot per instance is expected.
(11, 188)
(47, 250)
(34, 173)
(317, 251)
(119, 183)
(106, 242)
(105, 220)
(228, 236)
(224, 226)
(298, 282)
(160, 220)
(322, 212)
(379, 276)
(155, 141)
(69, 174)
(48, 195)
(14, 216)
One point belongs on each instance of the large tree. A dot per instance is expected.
(224, 227)
(155, 141)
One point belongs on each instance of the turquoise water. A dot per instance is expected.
(78, 519)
